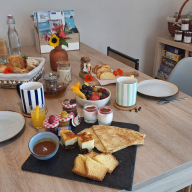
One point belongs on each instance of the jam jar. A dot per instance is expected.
(63, 122)
(178, 35)
(70, 106)
(185, 24)
(85, 64)
(187, 37)
(53, 127)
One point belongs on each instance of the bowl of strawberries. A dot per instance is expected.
(93, 95)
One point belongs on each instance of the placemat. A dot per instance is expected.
(62, 163)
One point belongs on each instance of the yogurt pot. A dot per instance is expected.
(90, 113)
(105, 115)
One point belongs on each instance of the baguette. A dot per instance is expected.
(95, 68)
(103, 68)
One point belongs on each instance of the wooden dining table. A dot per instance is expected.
(163, 163)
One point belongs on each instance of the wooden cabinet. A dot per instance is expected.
(161, 41)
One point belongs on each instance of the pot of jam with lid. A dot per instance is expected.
(187, 37)
(70, 106)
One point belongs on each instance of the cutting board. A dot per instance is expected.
(95, 82)
(62, 163)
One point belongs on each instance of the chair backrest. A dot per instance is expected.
(182, 75)
(127, 60)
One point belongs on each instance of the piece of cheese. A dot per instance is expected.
(85, 141)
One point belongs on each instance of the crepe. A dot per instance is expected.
(97, 142)
(115, 138)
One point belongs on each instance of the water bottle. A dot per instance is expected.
(13, 39)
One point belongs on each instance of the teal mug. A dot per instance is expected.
(126, 91)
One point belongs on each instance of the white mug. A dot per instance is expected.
(30, 93)
(126, 91)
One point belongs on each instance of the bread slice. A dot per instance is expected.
(95, 68)
(108, 160)
(103, 68)
(106, 76)
(91, 154)
(79, 166)
(95, 170)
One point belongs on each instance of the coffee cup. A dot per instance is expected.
(31, 92)
(126, 91)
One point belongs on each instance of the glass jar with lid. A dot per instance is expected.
(185, 24)
(54, 86)
(178, 35)
(64, 70)
(85, 64)
(187, 37)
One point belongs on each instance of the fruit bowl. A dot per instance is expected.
(99, 103)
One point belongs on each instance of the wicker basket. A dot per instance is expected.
(174, 26)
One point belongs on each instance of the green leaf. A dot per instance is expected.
(63, 42)
(25, 56)
(17, 65)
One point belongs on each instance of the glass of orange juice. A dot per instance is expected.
(37, 115)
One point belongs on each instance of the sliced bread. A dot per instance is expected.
(103, 68)
(106, 76)
(95, 68)
(91, 154)
(95, 170)
(79, 166)
(108, 160)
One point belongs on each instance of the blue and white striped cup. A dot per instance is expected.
(30, 93)
(126, 91)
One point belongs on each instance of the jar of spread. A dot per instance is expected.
(178, 35)
(51, 126)
(70, 106)
(64, 120)
(187, 37)
(64, 70)
(185, 24)
(85, 64)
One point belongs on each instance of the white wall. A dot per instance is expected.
(130, 26)
(186, 8)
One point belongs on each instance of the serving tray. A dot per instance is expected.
(62, 163)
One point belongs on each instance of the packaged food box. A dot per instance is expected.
(172, 56)
(174, 50)
(168, 62)
(165, 69)
(163, 74)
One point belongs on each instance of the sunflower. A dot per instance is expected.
(54, 41)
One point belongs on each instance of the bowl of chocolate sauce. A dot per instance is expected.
(44, 145)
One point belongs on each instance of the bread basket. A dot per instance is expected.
(12, 79)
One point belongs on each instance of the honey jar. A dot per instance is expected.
(85, 64)
(178, 35)
(185, 24)
(187, 37)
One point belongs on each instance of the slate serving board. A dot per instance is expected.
(62, 163)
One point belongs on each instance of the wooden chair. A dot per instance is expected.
(127, 60)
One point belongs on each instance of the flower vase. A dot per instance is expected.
(55, 55)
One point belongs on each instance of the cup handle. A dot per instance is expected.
(18, 89)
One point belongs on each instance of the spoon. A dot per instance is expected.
(163, 101)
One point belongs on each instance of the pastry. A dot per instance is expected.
(115, 138)
(19, 70)
(2, 68)
(85, 142)
(31, 64)
(17, 61)
(108, 160)
(95, 170)
(9, 65)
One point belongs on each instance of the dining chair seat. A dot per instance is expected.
(127, 60)
(181, 75)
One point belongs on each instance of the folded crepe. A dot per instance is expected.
(115, 138)
(112, 139)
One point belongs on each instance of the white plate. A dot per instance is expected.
(157, 88)
(11, 123)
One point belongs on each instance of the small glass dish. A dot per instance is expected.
(105, 115)
(90, 112)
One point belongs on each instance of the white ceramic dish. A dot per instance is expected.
(99, 103)
(157, 88)
(11, 123)
(41, 136)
